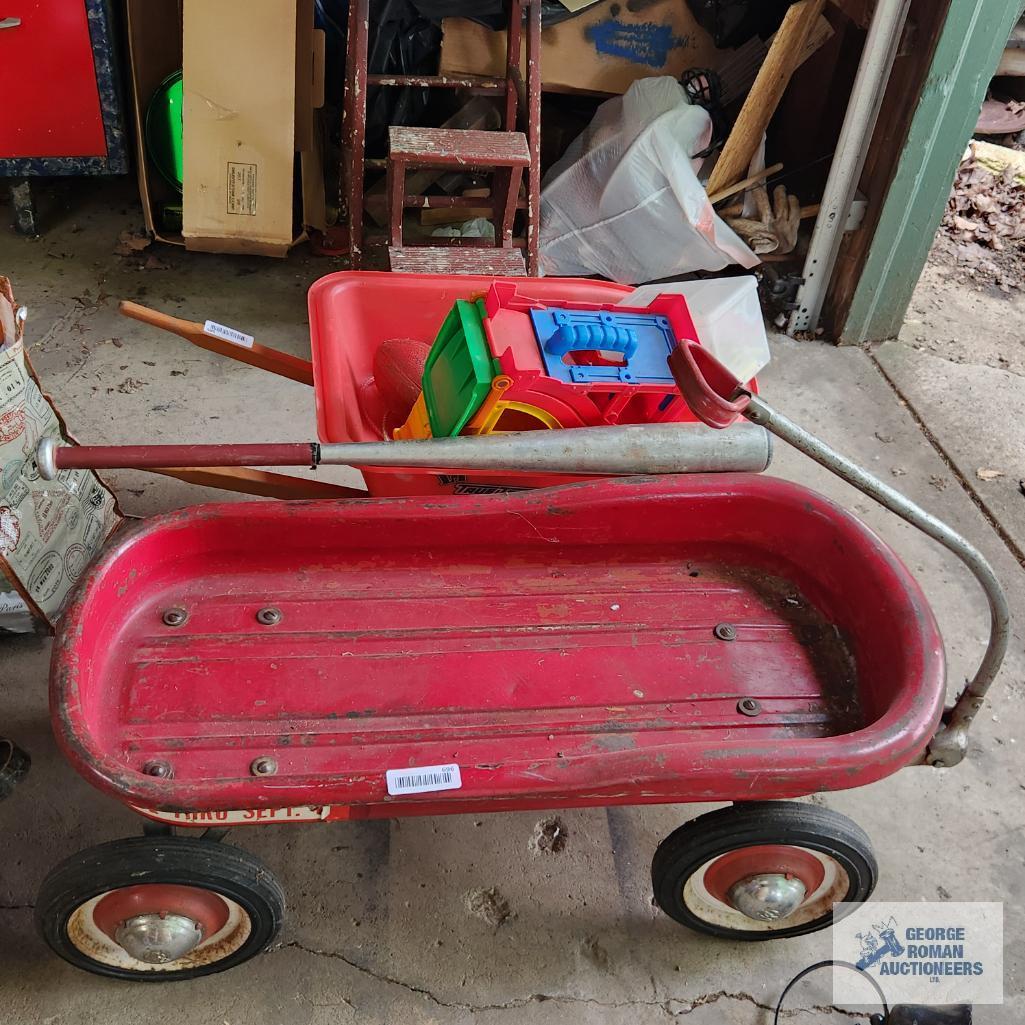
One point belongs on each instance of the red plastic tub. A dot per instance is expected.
(352, 313)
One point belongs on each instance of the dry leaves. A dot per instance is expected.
(985, 474)
(985, 214)
(129, 243)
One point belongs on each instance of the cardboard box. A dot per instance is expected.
(248, 77)
(603, 50)
(154, 32)
(253, 76)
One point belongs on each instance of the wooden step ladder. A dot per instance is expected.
(506, 154)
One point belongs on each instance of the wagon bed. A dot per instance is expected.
(627, 641)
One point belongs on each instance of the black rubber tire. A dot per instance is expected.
(696, 842)
(188, 861)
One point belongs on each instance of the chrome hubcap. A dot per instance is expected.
(158, 938)
(767, 897)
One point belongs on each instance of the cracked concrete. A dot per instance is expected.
(378, 929)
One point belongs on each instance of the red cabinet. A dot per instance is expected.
(61, 105)
(51, 96)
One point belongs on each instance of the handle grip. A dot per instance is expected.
(606, 337)
(714, 395)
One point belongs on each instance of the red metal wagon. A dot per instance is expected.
(707, 637)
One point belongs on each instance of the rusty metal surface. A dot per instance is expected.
(559, 646)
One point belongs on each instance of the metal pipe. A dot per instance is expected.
(51, 457)
(950, 744)
(649, 448)
(849, 159)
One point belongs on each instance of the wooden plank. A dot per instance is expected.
(783, 59)
(754, 179)
(446, 147)
(256, 355)
(998, 158)
(261, 483)
(503, 263)
(454, 209)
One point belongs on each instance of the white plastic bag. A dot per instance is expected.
(625, 201)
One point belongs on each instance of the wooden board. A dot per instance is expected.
(782, 61)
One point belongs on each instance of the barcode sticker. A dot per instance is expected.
(229, 334)
(423, 779)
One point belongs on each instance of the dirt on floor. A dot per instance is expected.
(965, 317)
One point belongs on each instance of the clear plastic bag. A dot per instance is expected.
(625, 201)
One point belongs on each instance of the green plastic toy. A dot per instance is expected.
(163, 130)
(458, 371)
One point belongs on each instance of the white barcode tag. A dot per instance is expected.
(423, 779)
(229, 334)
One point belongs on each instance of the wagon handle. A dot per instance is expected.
(256, 355)
(719, 400)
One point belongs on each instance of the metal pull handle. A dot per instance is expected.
(719, 399)
(10, 22)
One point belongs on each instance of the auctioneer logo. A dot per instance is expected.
(922, 953)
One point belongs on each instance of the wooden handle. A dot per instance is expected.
(718, 197)
(261, 483)
(780, 63)
(277, 362)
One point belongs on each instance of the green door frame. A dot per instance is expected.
(966, 57)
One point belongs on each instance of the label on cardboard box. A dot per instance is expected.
(242, 189)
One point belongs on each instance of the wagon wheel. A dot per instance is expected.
(155, 909)
(763, 871)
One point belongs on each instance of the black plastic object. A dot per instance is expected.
(493, 13)
(402, 42)
(694, 844)
(187, 861)
(733, 22)
(876, 1019)
(913, 1014)
(704, 89)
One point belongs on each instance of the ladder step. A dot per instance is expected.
(452, 147)
(490, 262)
(483, 83)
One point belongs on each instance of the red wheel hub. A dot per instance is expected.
(204, 907)
(731, 868)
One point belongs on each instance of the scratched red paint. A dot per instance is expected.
(557, 645)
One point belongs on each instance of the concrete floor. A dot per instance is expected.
(379, 930)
